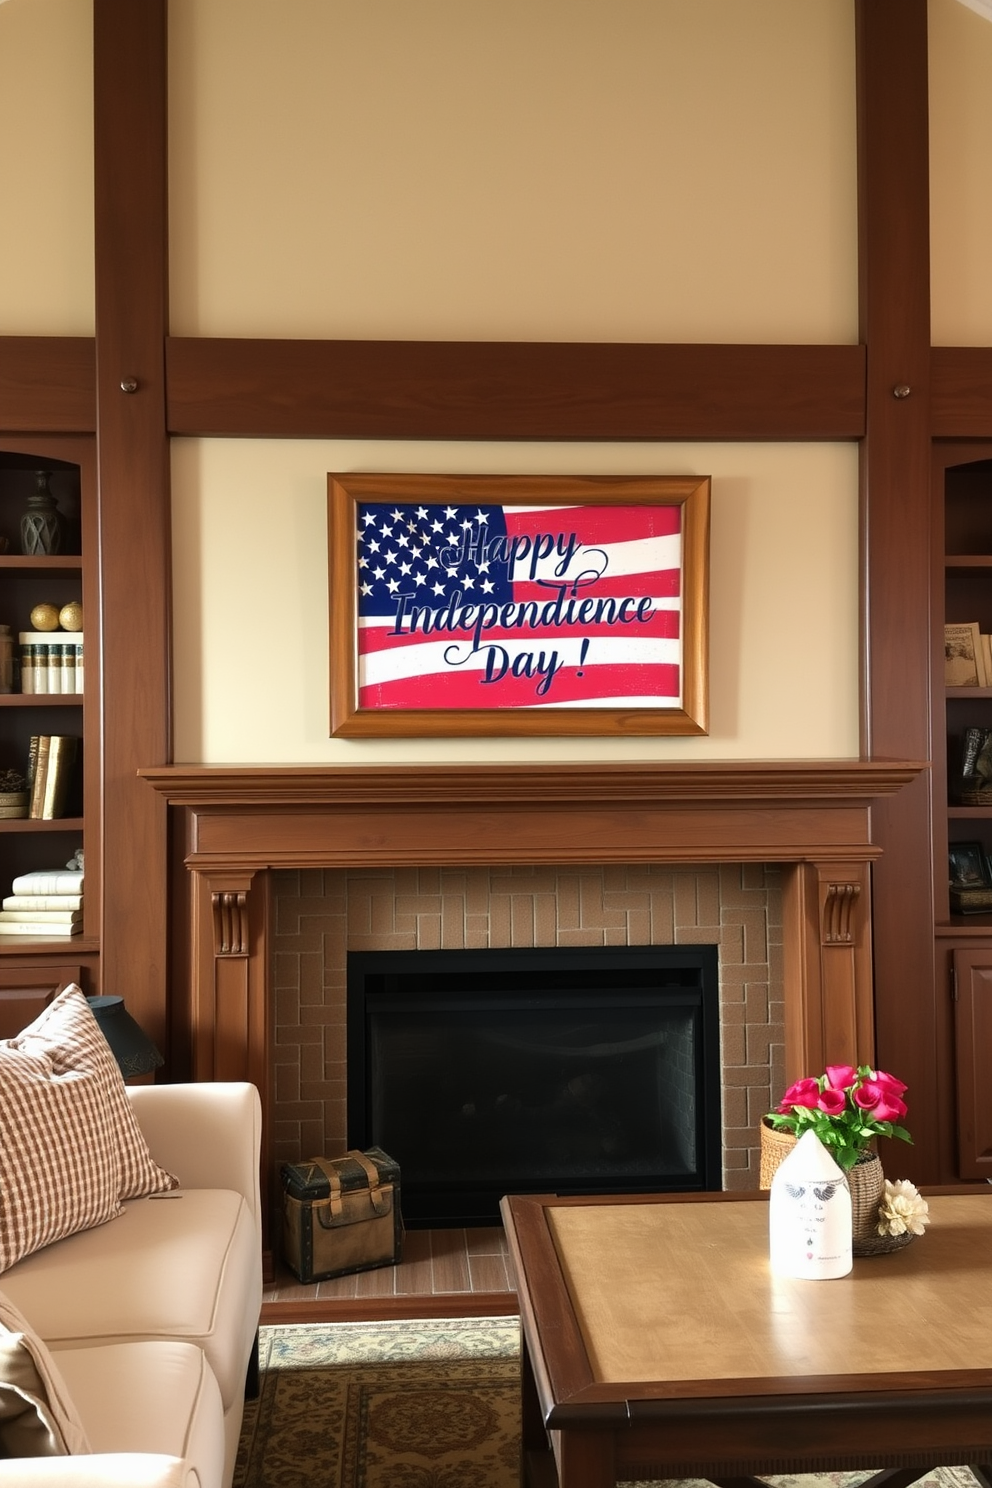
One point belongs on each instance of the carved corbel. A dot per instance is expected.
(230, 916)
(837, 919)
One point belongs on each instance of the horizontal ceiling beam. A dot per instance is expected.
(961, 392)
(47, 384)
(512, 390)
(372, 389)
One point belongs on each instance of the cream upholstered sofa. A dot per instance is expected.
(139, 1327)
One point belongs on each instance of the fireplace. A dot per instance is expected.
(523, 1071)
(234, 827)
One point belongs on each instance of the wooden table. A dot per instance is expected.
(657, 1344)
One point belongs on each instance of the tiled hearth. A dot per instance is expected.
(320, 914)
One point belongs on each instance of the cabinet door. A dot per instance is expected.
(973, 1034)
(26, 990)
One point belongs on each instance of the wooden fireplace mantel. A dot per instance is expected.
(235, 823)
(760, 780)
(304, 815)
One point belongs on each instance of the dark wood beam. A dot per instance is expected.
(133, 473)
(961, 392)
(47, 384)
(895, 324)
(512, 390)
(893, 182)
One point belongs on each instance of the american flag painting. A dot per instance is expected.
(464, 605)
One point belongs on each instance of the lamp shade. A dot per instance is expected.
(129, 1044)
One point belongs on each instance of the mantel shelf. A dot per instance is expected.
(494, 785)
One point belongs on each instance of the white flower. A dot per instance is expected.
(902, 1210)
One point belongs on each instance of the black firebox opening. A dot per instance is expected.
(532, 1071)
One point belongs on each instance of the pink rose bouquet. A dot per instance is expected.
(846, 1107)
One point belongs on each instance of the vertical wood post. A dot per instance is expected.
(129, 50)
(894, 230)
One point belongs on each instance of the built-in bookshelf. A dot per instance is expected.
(41, 839)
(962, 783)
(967, 601)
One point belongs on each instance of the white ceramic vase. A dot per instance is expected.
(809, 1214)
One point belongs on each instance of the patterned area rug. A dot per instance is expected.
(430, 1404)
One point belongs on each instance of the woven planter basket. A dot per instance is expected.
(775, 1145)
(866, 1182)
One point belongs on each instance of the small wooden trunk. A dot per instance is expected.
(341, 1214)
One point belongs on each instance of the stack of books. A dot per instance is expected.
(51, 758)
(49, 902)
(51, 660)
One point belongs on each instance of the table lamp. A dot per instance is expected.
(129, 1044)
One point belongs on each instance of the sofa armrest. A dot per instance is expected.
(208, 1134)
(99, 1470)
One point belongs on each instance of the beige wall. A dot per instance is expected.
(688, 176)
(497, 170)
(960, 174)
(562, 170)
(251, 597)
(46, 168)
(512, 170)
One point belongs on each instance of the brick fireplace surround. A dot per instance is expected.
(274, 866)
(319, 915)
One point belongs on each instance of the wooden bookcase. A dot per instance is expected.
(31, 967)
(962, 500)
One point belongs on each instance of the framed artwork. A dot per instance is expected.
(502, 605)
(967, 865)
(963, 663)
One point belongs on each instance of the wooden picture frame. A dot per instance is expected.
(518, 605)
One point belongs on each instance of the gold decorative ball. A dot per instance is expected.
(71, 616)
(45, 617)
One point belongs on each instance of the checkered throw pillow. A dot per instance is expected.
(70, 1148)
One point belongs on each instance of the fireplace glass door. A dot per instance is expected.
(513, 1071)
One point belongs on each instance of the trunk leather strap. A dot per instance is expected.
(328, 1166)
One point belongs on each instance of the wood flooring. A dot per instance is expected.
(442, 1273)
